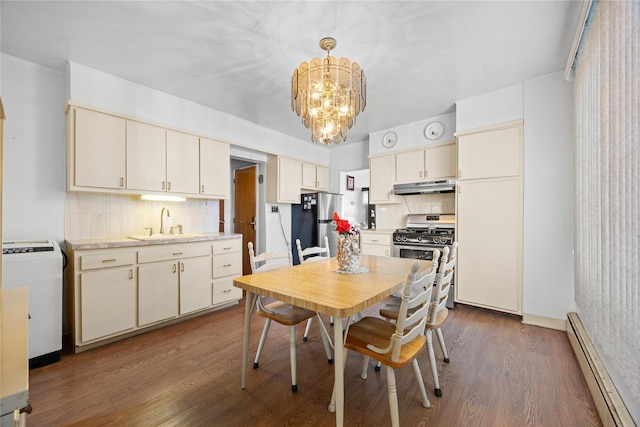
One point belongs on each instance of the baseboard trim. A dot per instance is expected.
(611, 408)
(545, 322)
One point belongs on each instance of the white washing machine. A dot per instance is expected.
(37, 265)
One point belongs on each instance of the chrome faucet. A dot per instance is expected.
(162, 219)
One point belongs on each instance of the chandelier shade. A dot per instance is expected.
(328, 94)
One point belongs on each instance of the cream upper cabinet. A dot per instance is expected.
(183, 156)
(382, 171)
(159, 159)
(284, 179)
(490, 154)
(315, 177)
(96, 150)
(215, 169)
(146, 157)
(433, 162)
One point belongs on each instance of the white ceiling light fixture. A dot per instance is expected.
(328, 94)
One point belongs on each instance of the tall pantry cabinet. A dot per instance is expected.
(489, 217)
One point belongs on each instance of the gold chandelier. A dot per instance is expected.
(328, 95)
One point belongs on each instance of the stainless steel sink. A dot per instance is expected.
(163, 236)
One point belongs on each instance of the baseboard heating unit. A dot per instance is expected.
(611, 408)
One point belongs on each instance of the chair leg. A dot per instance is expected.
(306, 330)
(365, 365)
(325, 339)
(263, 338)
(420, 381)
(443, 347)
(292, 355)
(393, 397)
(432, 361)
(331, 320)
(377, 368)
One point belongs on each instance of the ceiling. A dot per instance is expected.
(238, 56)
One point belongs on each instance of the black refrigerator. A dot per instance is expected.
(312, 219)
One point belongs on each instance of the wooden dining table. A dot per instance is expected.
(321, 287)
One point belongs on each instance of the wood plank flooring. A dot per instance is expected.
(502, 373)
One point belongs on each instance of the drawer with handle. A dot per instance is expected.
(227, 264)
(227, 245)
(170, 252)
(107, 259)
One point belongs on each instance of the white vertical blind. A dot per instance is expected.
(607, 179)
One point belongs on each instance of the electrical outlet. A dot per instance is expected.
(274, 209)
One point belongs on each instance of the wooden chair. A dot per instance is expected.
(438, 312)
(313, 254)
(278, 311)
(397, 345)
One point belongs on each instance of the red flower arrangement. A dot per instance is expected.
(343, 226)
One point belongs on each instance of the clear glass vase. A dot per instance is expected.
(348, 255)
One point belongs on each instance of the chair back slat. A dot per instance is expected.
(410, 326)
(313, 253)
(268, 260)
(443, 281)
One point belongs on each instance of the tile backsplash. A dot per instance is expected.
(393, 216)
(103, 216)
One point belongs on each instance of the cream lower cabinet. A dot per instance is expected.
(119, 292)
(195, 284)
(227, 264)
(105, 294)
(158, 292)
(187, 279)
(376, 243)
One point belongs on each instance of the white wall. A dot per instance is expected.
(34, 151)
(411, 135)
(545, 105)
(548, 202)
(500, 106)
(346, 157)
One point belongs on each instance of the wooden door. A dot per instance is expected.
(221, 215)
(245, 211)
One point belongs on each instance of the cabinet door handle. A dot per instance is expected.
(202, 188)
(177, 253)
(121, 182)
(227, 265)
(169, 186)
(226, 248)
(459, 173)
(420, 174)
(426, 174)
(175, 269)
(163, 185)
(130, 273)
(109, 260)
(226, 291)
(459, 189)
(182, 267)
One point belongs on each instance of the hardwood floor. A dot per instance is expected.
(502, 373)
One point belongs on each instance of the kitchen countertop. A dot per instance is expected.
(122, 242)
(379, 230)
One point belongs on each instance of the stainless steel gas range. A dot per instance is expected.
(423, 234)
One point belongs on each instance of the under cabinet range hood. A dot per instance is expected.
(426, 187)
